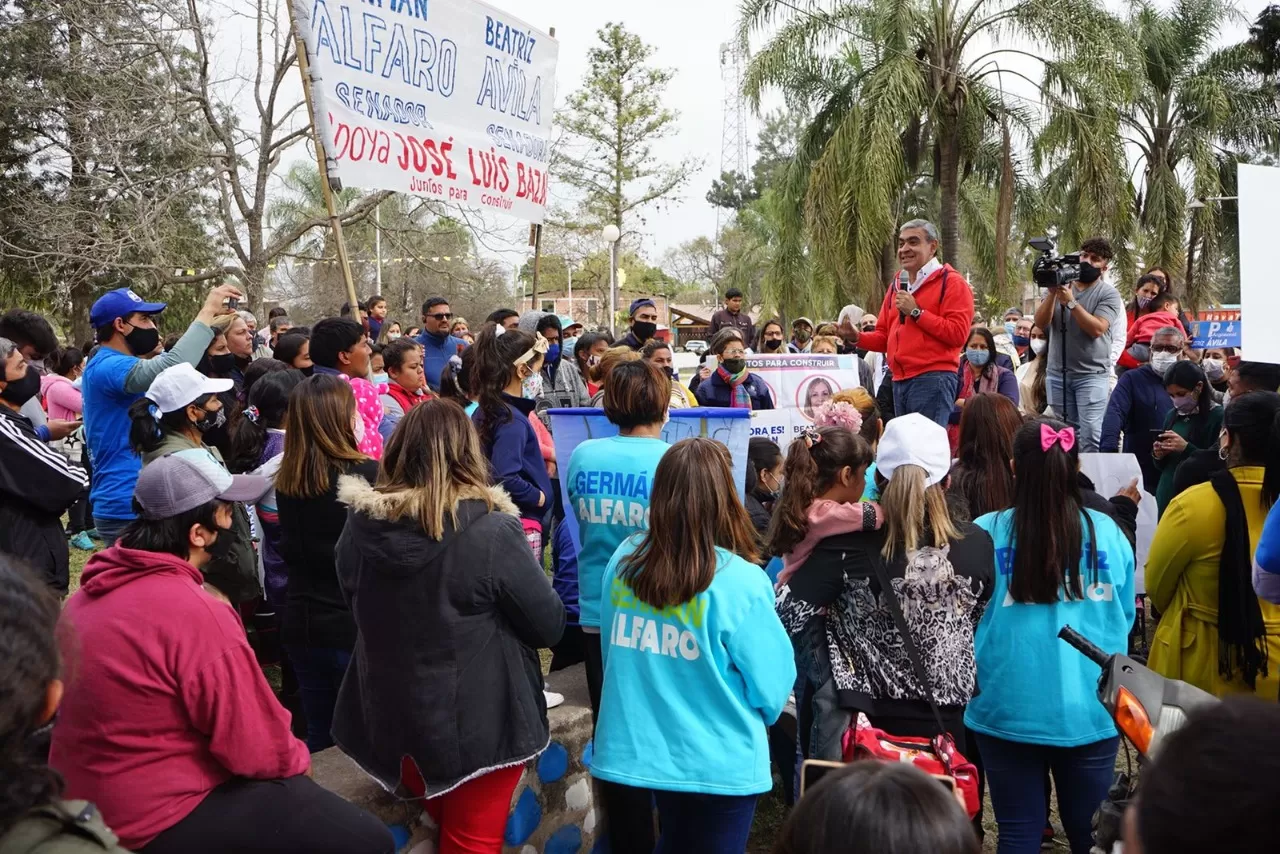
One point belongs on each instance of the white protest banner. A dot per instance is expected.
(447, 99)
(799, 383)
(1111, 473)
(571, 427)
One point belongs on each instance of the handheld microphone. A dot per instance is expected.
(903, 281)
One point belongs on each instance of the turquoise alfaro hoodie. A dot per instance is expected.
(1033, 686)
(689, 690)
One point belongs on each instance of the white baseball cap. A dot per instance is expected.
(179, 385)
(913, 440)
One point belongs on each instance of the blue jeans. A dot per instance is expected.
(1017, 783)
(109, 530)
(319, 671)
(703, 824)
(1084, 406)
(932, 394)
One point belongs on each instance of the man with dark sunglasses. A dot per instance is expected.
(438, 346)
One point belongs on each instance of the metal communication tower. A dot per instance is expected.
(733, 144)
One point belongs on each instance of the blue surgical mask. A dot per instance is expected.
(978, 358)
(1021, 341)
(379, 379)
(553, 352)
(1010, 326)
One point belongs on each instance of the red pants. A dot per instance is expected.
(472, 817)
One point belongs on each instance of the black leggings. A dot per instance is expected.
(290, 816)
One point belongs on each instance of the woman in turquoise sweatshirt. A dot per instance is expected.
(1056, 564)
(696, 662)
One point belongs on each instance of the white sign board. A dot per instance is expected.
(1111, 473)
(1259, 201)
(799, 383)
(446, 99)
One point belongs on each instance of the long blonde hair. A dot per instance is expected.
(318, 436)
(435, 453)
(913, 510)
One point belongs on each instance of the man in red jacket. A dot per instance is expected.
(922, 327)
(167, 723)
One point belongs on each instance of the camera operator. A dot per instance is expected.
(923, 326)
(1081, 318)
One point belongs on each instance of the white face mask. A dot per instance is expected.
(1213, 369)
(1038, 345)
(1162, 362)
(531, 386)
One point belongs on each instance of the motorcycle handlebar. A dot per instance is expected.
(1091, 650)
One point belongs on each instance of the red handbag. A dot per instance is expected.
(937, 755)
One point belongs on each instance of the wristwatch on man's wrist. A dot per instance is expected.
(916, 312)
(1071, 305)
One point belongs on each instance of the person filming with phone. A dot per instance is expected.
(1081, 317)
(923, 325)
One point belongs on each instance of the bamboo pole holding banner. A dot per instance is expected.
(535, 240)
(322, 163)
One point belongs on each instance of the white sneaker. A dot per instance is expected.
(553, 699)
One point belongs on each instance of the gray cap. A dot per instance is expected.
(183, 481)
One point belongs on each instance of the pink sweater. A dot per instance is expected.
(826, 519)
(61, 399)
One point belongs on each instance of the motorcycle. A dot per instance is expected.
(1147, 709)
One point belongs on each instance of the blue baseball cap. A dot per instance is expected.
(640, 303)
(121, 302)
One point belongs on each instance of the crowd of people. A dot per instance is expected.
(378, 510)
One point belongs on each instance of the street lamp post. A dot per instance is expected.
(611, 235)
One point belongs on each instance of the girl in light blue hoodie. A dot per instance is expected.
(696, 662)
(1056, 564)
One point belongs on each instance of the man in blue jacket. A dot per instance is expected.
(1140, 405)
(438, 346)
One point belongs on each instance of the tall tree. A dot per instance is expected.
(612, 123)
(905, 91)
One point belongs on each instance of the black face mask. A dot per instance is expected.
(773, 344)
(734, 366)
(222, 546)
(20, 391)
(142, 341)
(308, 370)
(211, 420)
(223, 363)
(644, 329)
(1089, 273)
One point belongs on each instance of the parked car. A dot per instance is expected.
(698, 347)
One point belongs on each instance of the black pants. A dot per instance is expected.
(628, 810)
(291, 816)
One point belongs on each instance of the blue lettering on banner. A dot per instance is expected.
(510, 92)
(419, 60)
(512, 42)
(1207, 334)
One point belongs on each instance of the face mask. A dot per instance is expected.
(674, 374)
(77, 381)
(1021, 341)
(20, 391)
(734, 366)
(531, 386)
(802, 334)
(142, 341)
(592, 361)
(773, 344)
(1009, 327)
(1214, 368)
(1162, 362)
(1089, 273)
(1038, 345)
(644, 329)
(1184, 403)
(308, 370)
(222, 363)
(379, 379)
(977, 358)
(777, 491)
(1143, 302)
(211, 420)
(392, 336)
(569, 344)
(553, 352)
(220, 548)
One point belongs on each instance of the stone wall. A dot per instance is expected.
(553, 809)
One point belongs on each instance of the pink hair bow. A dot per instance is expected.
(1066, 437)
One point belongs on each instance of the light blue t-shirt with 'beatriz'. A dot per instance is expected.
(609, 485)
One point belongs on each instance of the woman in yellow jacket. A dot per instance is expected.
(1214, 631)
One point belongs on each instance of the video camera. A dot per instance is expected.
(1051, 272)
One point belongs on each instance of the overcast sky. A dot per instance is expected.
(687, 35)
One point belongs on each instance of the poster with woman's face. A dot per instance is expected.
(811, 395)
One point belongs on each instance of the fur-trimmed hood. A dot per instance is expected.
(356, 493)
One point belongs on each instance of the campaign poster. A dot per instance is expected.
(1215, 334)
(1111, 473)
(799, 384)
(446, 99)
(572, 427)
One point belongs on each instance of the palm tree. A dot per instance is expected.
(1193, 111)
(907, 104)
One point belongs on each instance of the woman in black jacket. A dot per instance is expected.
(444, 699)
(318, 631)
